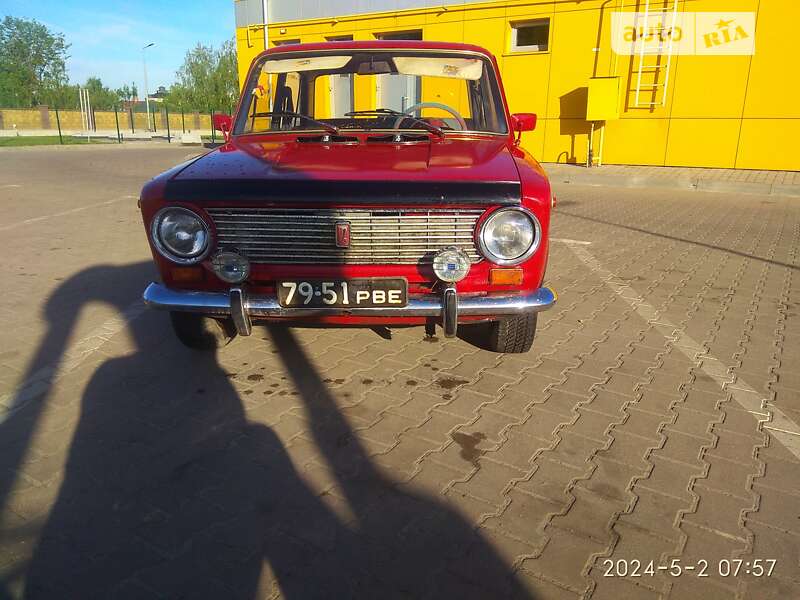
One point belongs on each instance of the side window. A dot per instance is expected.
(286, 98)
(530, 36)
(414, 34)
(342, 91)
(260, 103)
(333, 95)
(287, 94)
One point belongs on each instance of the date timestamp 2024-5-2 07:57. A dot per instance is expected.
(734, 567)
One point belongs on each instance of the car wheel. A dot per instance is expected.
(199, 332)
(513, 335)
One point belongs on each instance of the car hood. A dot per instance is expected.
(304, 169)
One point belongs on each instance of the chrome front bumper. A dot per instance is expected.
(241, 307)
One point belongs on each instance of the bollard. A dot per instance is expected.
(133, 127)
(166, 111)
(116, 119)
(58, 122)
(154, 122)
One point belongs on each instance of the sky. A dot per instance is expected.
(107, 36)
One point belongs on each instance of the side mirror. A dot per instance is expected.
(223, 123)
(523, 122)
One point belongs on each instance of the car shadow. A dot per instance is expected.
(170, 491)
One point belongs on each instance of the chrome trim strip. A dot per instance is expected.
(377, 235)
(219, 304)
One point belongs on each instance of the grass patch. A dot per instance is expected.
(47, 140)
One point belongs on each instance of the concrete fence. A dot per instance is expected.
(44, 118)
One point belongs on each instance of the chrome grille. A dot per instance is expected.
(377, 236)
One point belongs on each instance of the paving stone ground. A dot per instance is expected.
(735, 181)
(694, 173)
(650, 434)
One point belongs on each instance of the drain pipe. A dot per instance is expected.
(602, 141)
(620, 9)
(265, 10)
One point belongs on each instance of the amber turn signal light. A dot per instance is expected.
(505, 276)
(186, 274)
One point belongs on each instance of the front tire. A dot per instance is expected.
(199, 332)
(512, 335)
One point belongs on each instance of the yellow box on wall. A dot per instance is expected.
(603, 103)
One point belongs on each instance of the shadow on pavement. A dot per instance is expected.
(170, 491)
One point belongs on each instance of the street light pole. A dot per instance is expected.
(146, 92)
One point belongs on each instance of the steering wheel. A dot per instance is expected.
(417, 107)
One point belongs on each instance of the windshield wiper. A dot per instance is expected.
(326, 126)
(394, 113)
(374, 111)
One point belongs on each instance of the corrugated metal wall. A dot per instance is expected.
(250, 12)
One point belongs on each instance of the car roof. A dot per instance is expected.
(377, 45)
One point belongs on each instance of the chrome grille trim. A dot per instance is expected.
(377, 236)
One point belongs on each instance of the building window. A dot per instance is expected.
(285, 42)
(400, 35)
(339, 38)
(530, 36)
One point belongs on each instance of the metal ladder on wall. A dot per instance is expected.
(652, 63)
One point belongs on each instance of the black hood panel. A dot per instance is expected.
(343, 192)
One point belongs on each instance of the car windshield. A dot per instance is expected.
(376, 90)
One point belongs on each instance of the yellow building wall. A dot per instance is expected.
(719, 111)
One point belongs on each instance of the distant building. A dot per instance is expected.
(140, 106)
(680, 83)
(159, 95)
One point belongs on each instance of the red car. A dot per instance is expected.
(376, 184)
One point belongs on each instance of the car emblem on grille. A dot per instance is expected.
(342, 234)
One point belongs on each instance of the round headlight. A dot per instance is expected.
(231, 267)
(180, 235)
(451, 265)
(510, 236)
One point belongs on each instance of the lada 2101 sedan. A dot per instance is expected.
(360, 183)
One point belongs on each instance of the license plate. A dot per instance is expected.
(355, 293)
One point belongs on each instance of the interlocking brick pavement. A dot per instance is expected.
(751, 181)
(654, 419)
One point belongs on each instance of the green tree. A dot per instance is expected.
(207, 80)
(32, 63)
(127, 92)
(60, 96)
(100, 97)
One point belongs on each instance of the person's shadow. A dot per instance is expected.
(169, 491)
